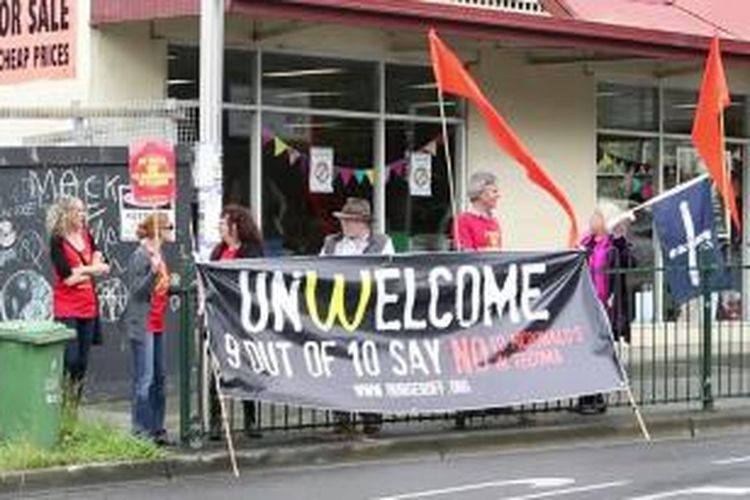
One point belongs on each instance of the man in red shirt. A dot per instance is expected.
(477, 229)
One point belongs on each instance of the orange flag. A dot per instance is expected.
(708, 127)
(452, 78)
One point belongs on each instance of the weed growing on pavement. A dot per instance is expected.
(80, 443)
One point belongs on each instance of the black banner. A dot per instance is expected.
(413, 333)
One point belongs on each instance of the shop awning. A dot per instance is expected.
(645, 28)
(728, 18)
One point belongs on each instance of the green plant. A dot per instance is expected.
(80, 443)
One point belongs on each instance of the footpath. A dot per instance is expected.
(509, 433)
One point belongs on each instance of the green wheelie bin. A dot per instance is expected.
(31, 371)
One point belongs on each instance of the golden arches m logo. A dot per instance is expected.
(337, 306)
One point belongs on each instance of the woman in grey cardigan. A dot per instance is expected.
(148, 279)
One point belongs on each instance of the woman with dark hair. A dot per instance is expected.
(76, 262)
(240, 239)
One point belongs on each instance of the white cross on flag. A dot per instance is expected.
(684, 220)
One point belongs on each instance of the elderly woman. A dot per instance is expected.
(76, 261)
(477, 228)
(148, 279)
(609, 254)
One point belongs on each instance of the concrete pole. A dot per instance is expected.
(208, 169)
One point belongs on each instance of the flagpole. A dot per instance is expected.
(448, 163)
(656, 199)
(727, 178)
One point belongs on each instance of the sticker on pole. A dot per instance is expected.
(153, 173)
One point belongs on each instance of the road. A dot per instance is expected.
(700, 469)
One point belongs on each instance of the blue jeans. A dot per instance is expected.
(149, 399)
(76, 358)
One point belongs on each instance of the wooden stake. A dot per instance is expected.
(631, 398)
(225, 420)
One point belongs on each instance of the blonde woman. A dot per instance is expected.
(76, 262)
(148, 278)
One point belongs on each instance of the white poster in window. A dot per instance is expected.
(321, 170)
(132, 214)
(420, 174)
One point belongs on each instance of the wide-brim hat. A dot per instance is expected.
(355, 209)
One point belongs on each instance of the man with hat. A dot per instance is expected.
(356, 238)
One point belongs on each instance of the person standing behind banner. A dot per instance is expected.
(609, 254)
(477, 228)
(240, 239)
(148, 280)
(356, 238)
(76, 262)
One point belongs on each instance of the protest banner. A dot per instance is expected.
(413, 333)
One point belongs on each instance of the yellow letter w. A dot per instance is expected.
(336, 307)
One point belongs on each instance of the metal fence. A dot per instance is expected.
(696, 352)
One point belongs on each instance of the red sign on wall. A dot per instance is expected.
(153, 174)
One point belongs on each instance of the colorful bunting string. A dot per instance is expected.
(397, 168)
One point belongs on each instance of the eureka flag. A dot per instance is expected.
(685, 224)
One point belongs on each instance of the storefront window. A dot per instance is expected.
(411, 90)
(239, 76)
(679, 113)
(627, 107)
(626, 176)
(628, 171)
(182, 72)
(319, 83)
(236, 156)
(418, 216)
(297, 215)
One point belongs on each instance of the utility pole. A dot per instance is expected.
(207, 175)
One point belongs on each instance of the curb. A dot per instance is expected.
(683, 424)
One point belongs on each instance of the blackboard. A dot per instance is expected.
(30, 180)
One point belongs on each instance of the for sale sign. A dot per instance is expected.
(37, 39)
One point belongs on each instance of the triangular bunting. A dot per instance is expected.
(304, 165)
(267, 136)
(371, 176)
(279, 146)
(399, 168)
(360, 176)
(294, 155)
(431, 147)
(346, 175)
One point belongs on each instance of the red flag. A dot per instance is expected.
(708, 127)
(453, 78)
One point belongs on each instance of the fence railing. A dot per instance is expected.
(695, 352)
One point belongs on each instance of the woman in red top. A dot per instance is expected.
(477, 228)
(148, 278)
(76, 261)
(240, 239)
